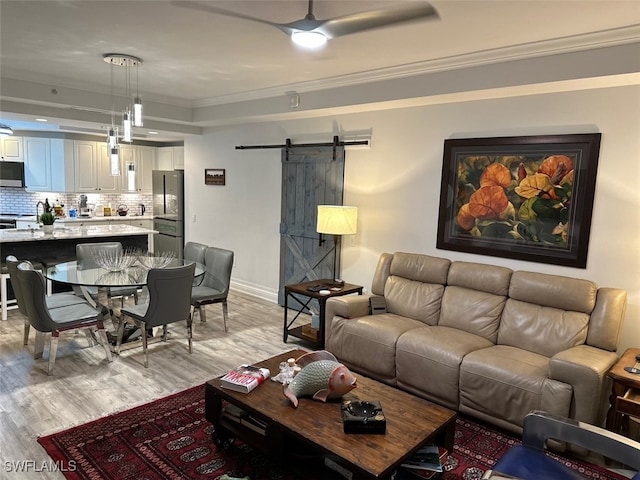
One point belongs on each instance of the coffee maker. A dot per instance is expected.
(82, 206)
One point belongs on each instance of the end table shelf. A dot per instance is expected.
(303, 296)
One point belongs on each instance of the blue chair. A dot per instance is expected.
(530, 462)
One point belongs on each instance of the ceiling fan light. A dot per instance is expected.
(308, 39)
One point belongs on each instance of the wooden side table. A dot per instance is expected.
(298, 290)
(625, 392)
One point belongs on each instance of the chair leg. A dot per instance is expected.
(53, 350)
(164, 333)
(143, 327)
(224, 315)
(27, 328)
(102, 337)
(190, 329)
(38, 348)
(120, 333)
(202, 313)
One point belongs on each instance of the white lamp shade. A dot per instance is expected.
(337, 220)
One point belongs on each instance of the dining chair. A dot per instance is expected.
(55, 300)
(169, 302)
(214, 288)
(56, 320)
(195, 252)
(85, 257)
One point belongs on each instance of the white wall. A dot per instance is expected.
(396, 185)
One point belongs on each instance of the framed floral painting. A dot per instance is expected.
(528, 198)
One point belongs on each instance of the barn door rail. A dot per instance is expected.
(335, 144)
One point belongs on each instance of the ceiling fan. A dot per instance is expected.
(311, 32)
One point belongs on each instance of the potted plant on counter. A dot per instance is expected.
(47, 220)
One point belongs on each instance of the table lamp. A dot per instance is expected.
(337, 220)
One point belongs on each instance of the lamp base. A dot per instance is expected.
(336, 282)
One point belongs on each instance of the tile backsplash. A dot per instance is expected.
(19, 201)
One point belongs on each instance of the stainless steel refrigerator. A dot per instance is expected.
(168, 211)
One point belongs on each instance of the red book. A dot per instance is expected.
(244, 378)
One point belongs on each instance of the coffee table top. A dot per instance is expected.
(411, 421)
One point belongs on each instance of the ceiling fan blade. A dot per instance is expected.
(221, 11)
(383, 17)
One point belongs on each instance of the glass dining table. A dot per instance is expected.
(70, 273)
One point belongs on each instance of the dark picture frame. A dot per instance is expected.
(527, 198)
(214, 176)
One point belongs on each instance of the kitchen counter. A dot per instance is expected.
(75, 220)
(71, 232)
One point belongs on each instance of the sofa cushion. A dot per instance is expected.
(481, 277)
(422, 268)
(428, 361)
(564, 293)
(473, 311)
(369, 343)
(413, 299)
(507, 383)
(542, 330)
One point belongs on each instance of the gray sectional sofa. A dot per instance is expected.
(481, 339)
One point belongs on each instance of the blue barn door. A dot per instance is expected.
(311, 176)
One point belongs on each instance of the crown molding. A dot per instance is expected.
(574, 43)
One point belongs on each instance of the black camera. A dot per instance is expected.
(363, 417)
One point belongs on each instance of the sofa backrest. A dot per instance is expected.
(414, 286)
(546, 314)
(474, 298)
(539, 312)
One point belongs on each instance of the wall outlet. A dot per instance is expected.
(193, 217)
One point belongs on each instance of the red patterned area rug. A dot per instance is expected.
(171, 439)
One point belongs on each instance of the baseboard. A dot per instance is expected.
(254, 290)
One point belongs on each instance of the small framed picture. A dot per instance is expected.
(214, 176)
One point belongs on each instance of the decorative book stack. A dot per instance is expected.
(244, 378)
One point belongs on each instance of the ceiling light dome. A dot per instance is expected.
(5, 129)
(308, 39)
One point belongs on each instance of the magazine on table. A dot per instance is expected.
(427, 459)
(244, 378)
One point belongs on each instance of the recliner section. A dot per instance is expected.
(482, 339)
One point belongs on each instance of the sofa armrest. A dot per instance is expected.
(348, 306)
(585, 369)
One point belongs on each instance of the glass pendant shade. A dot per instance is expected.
(114, 160)
(131, 177)
(126, 126)
(112, 137)
(137, 112)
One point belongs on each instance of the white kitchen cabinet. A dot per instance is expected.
(170, 158)
(45, 167)
(24, 224)
(142, 223)
(11, 149)
(93, 168)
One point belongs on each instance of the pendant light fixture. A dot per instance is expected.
(137, 104)
(130, 117)
(112, 137)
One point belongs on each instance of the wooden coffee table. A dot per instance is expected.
(315, 427)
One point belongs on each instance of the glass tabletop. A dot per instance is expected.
(136, 275)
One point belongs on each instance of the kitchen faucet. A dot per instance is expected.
(43, 210)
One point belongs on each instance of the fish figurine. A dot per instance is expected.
(320, 375)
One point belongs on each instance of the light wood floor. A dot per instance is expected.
(85, 386)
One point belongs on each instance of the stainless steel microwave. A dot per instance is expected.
(12, 174)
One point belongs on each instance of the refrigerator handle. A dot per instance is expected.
(164, 194)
